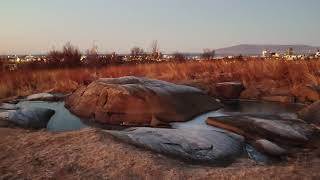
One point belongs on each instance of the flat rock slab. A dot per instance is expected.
(284, 131)
(35, 118)
(45, 97)
(197, 146)
(138, 101)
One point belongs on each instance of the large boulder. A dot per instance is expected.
(311, 113)
(137, 101)
(217, 147)
(284, 131)
(27, 117)
(229, 90)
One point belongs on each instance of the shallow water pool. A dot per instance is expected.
(62, 120)
(243, 108)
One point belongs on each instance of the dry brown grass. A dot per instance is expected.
(288, 73)
(90, 154)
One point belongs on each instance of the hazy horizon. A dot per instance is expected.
(37, 26)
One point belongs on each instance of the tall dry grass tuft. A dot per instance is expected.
(250, 72)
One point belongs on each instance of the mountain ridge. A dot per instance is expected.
(256, 49)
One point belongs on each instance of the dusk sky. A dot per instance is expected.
(37, 26)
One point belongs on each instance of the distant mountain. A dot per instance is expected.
(253, 49)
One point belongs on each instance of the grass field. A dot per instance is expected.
(250, 72)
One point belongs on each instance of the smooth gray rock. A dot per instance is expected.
(255, 155)
(40, 96)
(283, 131)
(35, 118)
(269, 147)
(197, 146)
(45, 97)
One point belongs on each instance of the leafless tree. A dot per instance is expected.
(178, 57)
(154, 47)
(137, 52)
(68, 57)
(92, 58)
(208, 54)
(155, 52)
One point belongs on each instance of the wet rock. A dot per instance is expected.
(40, 96)
(255, 155)
(35, 118)
(198, 146)
(311, 113)
(229, 90)
(269, 147)
(282, 99)
(45, 97)
(133, 100)
(284, 131)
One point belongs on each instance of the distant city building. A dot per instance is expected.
(266, 54)
(318, 54)
(29, 58)
(275, 54)
(290, 52)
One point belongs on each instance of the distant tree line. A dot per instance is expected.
(70, 57)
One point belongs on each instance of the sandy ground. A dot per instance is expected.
(89, 154)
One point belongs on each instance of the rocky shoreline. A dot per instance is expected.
(131, 101)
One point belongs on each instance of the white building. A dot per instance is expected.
(266, 53)
(318, 53)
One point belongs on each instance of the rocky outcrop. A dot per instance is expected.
(133, 100)
(283, 131)
(311, 113)
(197, 146)
(270, 90)
(34, 118)
(229, 90)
